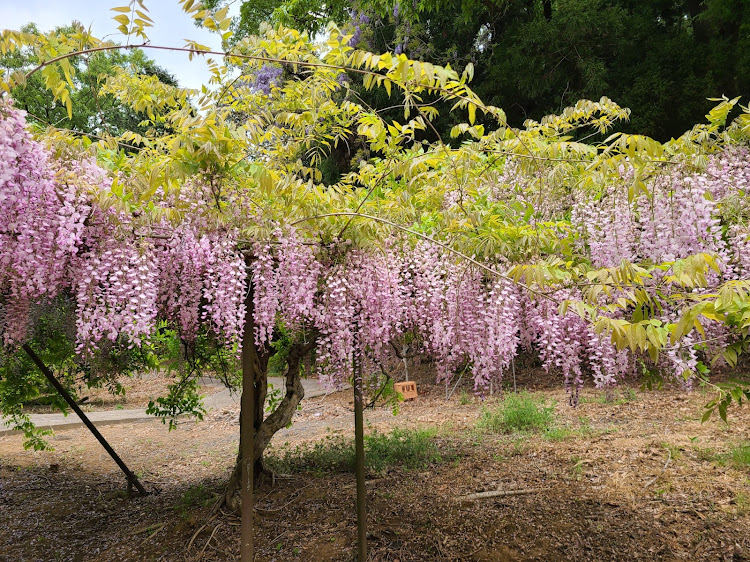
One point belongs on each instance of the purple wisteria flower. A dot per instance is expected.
(268, 77)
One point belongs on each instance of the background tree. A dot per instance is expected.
(93, 111)
(306, 16)
(661, 59)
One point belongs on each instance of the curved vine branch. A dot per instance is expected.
(432, 241)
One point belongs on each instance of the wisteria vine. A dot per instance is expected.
(55, 239)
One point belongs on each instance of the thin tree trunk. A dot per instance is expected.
(309, 365)
(404, 351)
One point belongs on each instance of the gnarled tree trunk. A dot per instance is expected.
(279, 418)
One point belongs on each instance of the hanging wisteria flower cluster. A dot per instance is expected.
(679, 217)
(192, 272)
(53, 240)
(41, 223)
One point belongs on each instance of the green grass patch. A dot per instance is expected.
(561, 433)
(558, 433)
(742, 501)
(674, 451)
(194, 497)
(517, 412)
(706, 454)
(617, 397)
(739, 456)
(406, 448)
(564, 432)
(576, 469)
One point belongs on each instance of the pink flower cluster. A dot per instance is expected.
(740, 244)
(609, 226)
(362, 307)
(364, 300)
(570, 344)
(41, 223)
(202, 277)
(682, 216)
(53, 239)
(115, 293)
(462, 317)
(285, 282)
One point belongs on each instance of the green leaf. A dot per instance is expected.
(723, 411)
(122, 19)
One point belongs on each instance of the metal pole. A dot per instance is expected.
(457, 383)
(359, 448)
(247, 430)
(131, 478)
(404, 351)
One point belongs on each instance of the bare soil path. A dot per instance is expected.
(216, 398)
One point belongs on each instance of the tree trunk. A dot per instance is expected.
(278, 419)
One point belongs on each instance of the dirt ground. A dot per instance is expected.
(637, 478)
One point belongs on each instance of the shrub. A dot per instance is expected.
(407, 448)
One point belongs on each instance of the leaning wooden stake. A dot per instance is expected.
(247, 434)
(359, 447)
(131, 478)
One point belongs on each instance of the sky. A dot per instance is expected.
(171, 27)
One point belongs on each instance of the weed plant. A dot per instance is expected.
(407, 448)
(739, 455)
(194, 497)
(517, 412)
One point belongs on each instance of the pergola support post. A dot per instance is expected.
(359, 448)
(247, 432)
